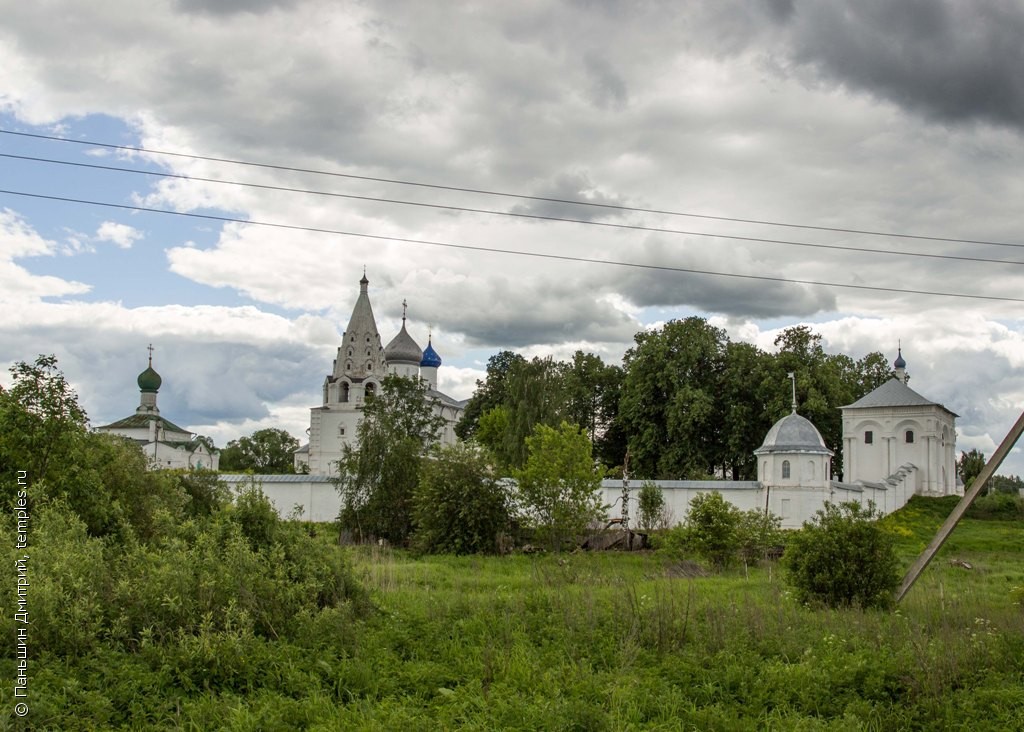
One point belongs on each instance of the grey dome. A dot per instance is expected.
(403, 349)
(793, 433)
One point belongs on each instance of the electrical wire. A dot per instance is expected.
(495, 250)
(513, 214)
(484, 192)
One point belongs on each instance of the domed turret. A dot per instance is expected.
(149, 384)
(794, 455)
(900, 366)
(793, 433)
(149, 380)
(403, 354)
(430, 357)
(429, 364)
(403, 349)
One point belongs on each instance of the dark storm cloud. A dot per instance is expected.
(515, 313)
(953, 61)
(737, 296)
(204, 379)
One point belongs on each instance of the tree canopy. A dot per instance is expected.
(378, 476)
(264, 451)
(559, 485)
(687, 402)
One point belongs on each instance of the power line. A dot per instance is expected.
(495, 250)
(525, 197)
(513, 214)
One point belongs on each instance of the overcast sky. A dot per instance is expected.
(904, 118)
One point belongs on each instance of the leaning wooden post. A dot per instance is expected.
(954, 518)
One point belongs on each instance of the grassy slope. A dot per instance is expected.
(599, 641)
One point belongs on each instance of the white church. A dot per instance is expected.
(359, 367)
(165, 444)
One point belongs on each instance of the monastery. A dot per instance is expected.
(896, 443)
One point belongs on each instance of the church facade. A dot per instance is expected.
(893, 427)
(358, 370)
(166, 445)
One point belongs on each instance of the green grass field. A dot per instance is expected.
(594, 642)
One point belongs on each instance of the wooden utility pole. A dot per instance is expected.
(954, 518)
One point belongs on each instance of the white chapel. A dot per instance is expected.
(164, 443)
(894, 427)
(359, 367)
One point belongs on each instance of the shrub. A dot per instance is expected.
(560, 485)
(843, 558)
(756, 533)
(650, 507)
(1000, 506)
(460, 507)
(256, 516)
(712, 528)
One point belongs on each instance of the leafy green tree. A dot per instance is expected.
(712, 528)
(824, 383)
(102, 478)
(745, 388)
(650, 504)
(559, 486)
(670, 407)
(268, 450)
(42, 425)
(492, 426)
(460, 506)
(969, 466)
(206, 494)
(592, 393)
(378, 476)
(843, 558)
(490, 393)
(536, 395)
(872, 371)
(1007, 484)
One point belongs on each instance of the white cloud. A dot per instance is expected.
(120, 234)
(704, 108)
(17, 285)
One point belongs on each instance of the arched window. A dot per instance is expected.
(869, 437)
(910, 436)
(371, 389)
(785, 468)
(810, 470)
(344, 391)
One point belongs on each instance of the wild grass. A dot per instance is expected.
(592, 642)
